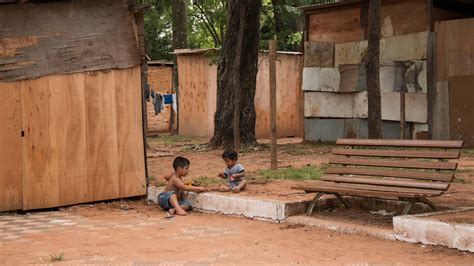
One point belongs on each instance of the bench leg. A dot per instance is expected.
(313, 202)
(408, 207)
(428, 202)
(344, 201)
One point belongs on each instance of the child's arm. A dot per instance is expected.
(178, 183)
(239, 175)
(222, 175)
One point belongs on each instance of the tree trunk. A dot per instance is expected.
(373, 66)
(237, 75)
(180, 41)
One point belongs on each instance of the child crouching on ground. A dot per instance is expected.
(171, 199)
(234, 172)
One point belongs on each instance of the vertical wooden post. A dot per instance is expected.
(402, 113)
(272, 46)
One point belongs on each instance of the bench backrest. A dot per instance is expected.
(405, 165)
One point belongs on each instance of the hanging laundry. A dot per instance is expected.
(168, 98)
(157, 102)
(175, 103)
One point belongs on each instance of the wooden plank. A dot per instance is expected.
(83, 138)
(335, 25)
(131, 162)
(11, 166)
(386, 182)
(394, 163)
(454, 49)
(329, 187)
(272, 47)
(398, 153)
(461, 95)
(101, 134)
(391, 173)
(97, 35)
(401, 143)
(389, 189)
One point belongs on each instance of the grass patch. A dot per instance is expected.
(151, 178)
(467, 152)
(57, 257)
(303, 173)
(204, 181)
(172, 140)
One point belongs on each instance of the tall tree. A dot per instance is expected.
(237, 75)
(373, 67)
(180, 41)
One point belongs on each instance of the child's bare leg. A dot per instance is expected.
(177, 209)
(240, 187)
(226, 188)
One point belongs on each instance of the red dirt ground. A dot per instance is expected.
(109, 235)
(292, 152)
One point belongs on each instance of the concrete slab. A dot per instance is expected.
(328, 104)
(232, 204)
(317, 129)
(352, 78)
(423, 229)
(404, 47)
(416, 106)
(321, 79)
(343, 228)
(318, 54)
(392, 76)
(349, 53)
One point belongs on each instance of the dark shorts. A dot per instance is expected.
(164, 200)
(234, 183)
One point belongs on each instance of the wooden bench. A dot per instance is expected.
(407, 170)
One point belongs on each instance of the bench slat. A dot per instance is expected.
(385, 182)
(402, 143)
(391, 173)
(394, 163)
(398, 153)
(322, 187)
(390, 189)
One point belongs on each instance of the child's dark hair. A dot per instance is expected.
(230, 154)
(180, 162)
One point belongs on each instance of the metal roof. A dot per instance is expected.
(329, 4)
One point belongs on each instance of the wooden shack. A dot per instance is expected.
(198, 91)
(334, 75)
(71, 104)
(160, 80)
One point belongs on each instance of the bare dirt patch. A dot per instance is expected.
(108, 234)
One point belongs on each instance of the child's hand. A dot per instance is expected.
(221, 175)
(201, 189)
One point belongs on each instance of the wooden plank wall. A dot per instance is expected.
(83, 137)
(160, 78)
(198, 91)
(461, 97)
(343, 24)
(455, 52)
(65, 37)
(289, 97)
(194, 72)
(11, 191)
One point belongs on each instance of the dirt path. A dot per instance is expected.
(105, 234)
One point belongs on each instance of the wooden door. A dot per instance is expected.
(10, 146)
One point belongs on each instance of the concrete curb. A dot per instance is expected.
(423, 229)
(343, 228)
(231, 204)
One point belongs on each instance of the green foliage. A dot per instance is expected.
(304, 173)
(207, 22)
